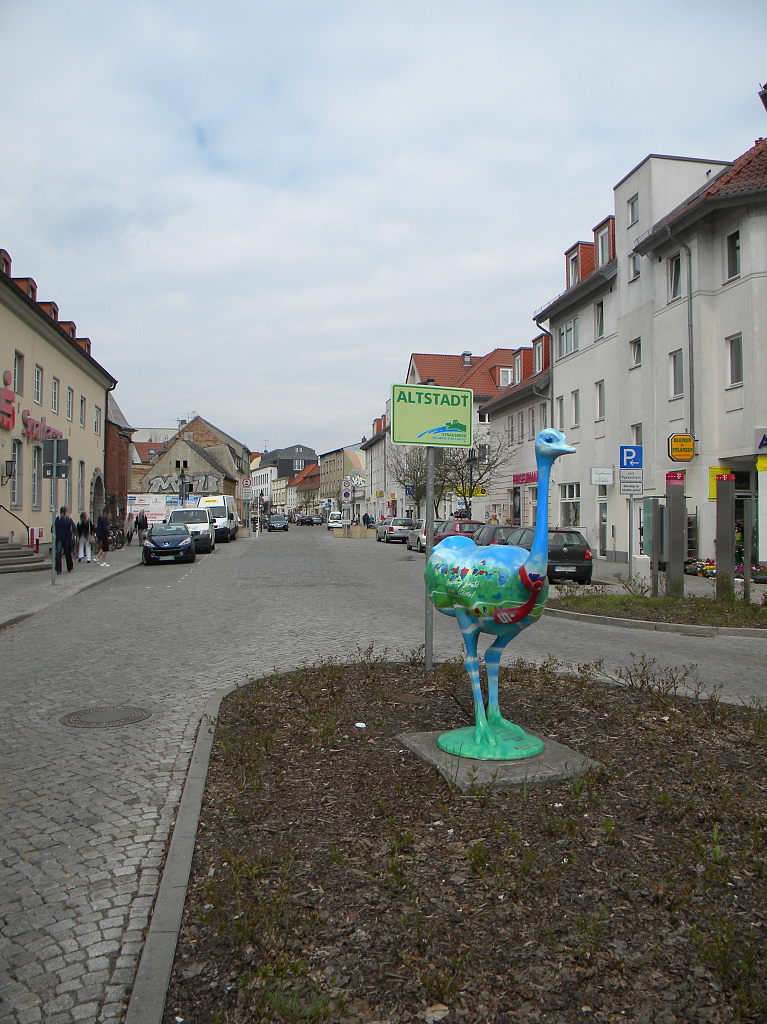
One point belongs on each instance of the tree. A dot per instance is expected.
(463, 470)
(407, 464)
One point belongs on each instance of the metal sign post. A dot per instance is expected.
(428, 637)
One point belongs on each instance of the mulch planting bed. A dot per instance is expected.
(338, 878)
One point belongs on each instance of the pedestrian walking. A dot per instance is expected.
(141, 525)
(64, 539)
(128, 529)
(84, 531)
(102, 536)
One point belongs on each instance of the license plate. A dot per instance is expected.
(564, 568)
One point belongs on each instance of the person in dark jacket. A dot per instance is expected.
(64, 539)
(84, 531)
(102, 535)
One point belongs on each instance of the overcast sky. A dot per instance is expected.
(258, 210)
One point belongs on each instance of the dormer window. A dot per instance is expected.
(518, 367)
(506, 376)
(572, 269)
(603, 247)
(538, 357)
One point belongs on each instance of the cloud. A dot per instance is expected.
(292, 197)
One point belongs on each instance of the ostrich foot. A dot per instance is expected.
(496, 719)
(499, 742)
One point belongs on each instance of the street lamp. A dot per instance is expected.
(471, 459)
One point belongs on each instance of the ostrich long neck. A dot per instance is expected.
(539, 549)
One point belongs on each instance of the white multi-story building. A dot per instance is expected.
(662, 331)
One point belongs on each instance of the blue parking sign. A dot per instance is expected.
(631, 456)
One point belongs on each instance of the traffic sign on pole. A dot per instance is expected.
(631, 456)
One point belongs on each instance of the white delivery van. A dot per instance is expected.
(223, 512)
(200, 526)
(337, 519)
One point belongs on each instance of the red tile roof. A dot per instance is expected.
(451, 372)
(147, 449)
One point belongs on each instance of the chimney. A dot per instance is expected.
(84, 343)
(5, 262)
(466, 356)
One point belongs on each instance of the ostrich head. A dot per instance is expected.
(550, 444)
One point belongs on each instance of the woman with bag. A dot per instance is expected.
(84, 530)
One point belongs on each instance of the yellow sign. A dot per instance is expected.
(713, 473)
(681, 447)
(478, 492)
(425, 414)
(761, 463)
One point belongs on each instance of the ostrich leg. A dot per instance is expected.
(492, 664)
(470, 632)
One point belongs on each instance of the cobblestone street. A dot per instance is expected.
(88, 810)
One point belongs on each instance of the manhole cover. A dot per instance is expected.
(109, 717)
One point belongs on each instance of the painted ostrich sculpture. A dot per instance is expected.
(500, 590)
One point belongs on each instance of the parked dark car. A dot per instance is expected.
(168, 542)
(569, 554)
(317, 520)
(454, 527)
(277, 522)
(492, 533)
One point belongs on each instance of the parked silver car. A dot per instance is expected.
(416, 538)
(392, 529)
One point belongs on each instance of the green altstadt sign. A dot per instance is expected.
(425, 414)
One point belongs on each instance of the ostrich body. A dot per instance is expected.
(500, 590)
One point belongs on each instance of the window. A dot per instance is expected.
(18, 373)
(569, 505)
(518, 367)
(544, 415)
(636, 433)
(38, 385)
(17, 478)
(561, 412)
(96, 420)
(81, 486)
(603, 247)
(733, 255)
(567, 338)
(635, 350)
(532, 493)
(483, 417)
(599, 399)
(572, 269)
(531, 415)
(510, 429)
(634, 266)
(538, 357)
(520, 426)
(54, 394)
(633, 210)
(68, 486)
(507, 377)
(575, 407)
(676, 368)
(298, 465)
(82, 411)
(70, 404)
(735, 359)
(37, 476)
(674, 277)
(483, 453)
(599, 319)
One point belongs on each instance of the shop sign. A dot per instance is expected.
(524, 478)
(675, 478)
(760, 439)
(713, 473)
(7, 402)
(681, 447)
(37, 430)
(602, 477)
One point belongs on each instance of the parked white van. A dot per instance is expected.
(200, 526)
(337, 519)
(223, 511)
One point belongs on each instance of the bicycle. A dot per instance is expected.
(116, 538)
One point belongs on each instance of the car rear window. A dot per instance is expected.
(564, 538)
(402, 522)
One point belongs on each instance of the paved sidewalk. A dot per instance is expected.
(24, 593)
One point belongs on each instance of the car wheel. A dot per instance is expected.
(144, 559)
(377, 538)
(421, 548)
(193, 556)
